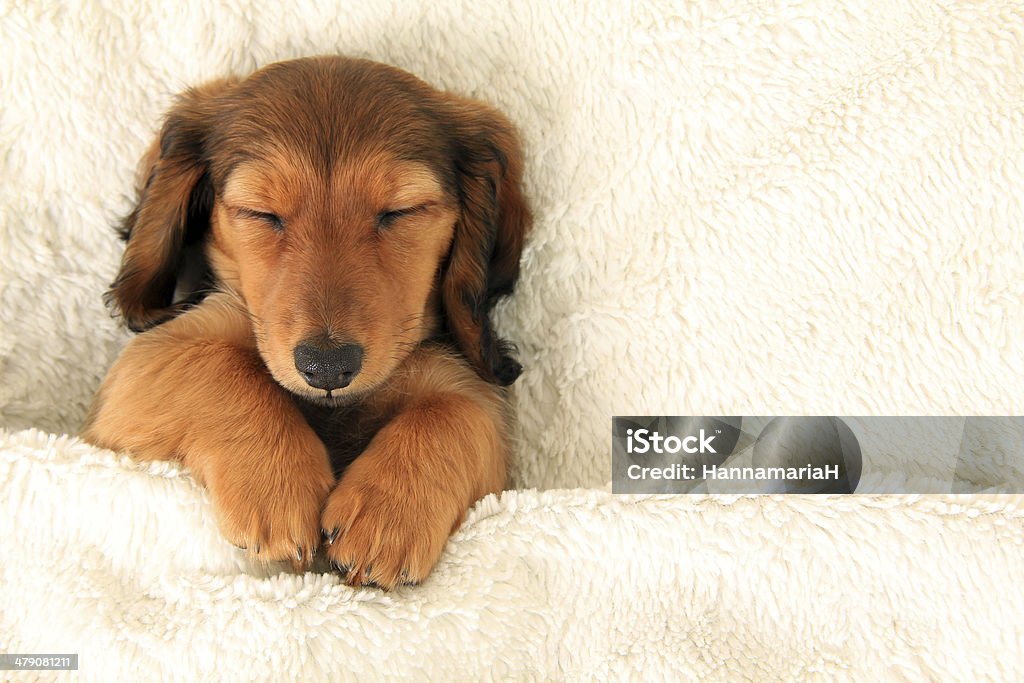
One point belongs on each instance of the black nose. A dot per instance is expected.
(325, 365)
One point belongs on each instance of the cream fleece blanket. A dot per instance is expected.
(759, 208)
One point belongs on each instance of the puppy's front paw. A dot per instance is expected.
(271, 506)
(382, 527)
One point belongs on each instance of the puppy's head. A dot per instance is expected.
(356, 210)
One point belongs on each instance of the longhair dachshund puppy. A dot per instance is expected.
(311, 264)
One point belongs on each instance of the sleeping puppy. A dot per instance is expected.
(311, 264)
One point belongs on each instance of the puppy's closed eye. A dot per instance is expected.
(271, 219)
(386, 219)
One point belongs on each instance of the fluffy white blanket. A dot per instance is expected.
(775, 207)
(122, 564)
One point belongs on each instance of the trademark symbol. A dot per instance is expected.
(718, 431)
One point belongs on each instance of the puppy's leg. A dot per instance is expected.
(399, 501)
(195, 389)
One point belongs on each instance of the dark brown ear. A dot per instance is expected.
(484, 262)
(175, 198)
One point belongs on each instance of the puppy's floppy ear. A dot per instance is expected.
(484, 262)
(175, 198)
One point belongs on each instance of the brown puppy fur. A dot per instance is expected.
(341, 203)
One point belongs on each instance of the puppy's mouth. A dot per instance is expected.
(334, 398)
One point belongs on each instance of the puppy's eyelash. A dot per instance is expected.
(271, 219)
(386, 218)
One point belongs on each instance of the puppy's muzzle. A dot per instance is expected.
(326, 365)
